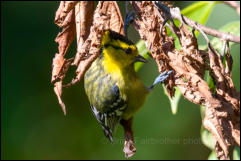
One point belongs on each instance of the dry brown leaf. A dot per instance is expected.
(57, 65)
(106, 16)
(84, 11)
(58, 92)
(65, 38)
(222, 117)
(65, 17)
(64, 8)
(148, 25)
(71, 15)
(60, 67)
(116, 21)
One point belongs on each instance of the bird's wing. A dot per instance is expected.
(111, 110)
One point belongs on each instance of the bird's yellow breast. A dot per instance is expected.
(131, 87)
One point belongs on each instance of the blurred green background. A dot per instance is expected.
(33, 125)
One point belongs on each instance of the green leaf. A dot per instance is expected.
(232, 28)
(207, 138)
(236, 153)
(199, 11)
(202, 47)
(175, 100)
(210, 81)
(212, 156)
(202, 110)
(141, 47)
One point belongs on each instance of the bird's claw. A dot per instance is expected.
(162, 77)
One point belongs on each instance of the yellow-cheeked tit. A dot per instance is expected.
(114, 89)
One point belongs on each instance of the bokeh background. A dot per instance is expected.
(33, 125)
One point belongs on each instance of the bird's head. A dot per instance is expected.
(119, 49)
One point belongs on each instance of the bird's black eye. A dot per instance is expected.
(127, 51)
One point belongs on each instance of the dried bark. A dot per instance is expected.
(81, 19)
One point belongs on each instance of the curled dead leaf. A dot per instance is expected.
(64, 8)
(84, 11)
(106, 16)
(190, 64)
(60, 66)
(58, 92)
(65, 38)
(57, 65)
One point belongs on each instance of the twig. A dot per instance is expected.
(175, 14)
(213, 32)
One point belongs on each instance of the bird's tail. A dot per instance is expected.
(108, 133)
(110, 126)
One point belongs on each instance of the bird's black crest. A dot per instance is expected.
(116, 36)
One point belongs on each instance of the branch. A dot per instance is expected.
(175, 13)
(212, 32)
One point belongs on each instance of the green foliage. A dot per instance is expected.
(207, 138)
(199, 11)
(143, 52)
(236, 153)
(212, 156)
(232, 28)
(174, 101)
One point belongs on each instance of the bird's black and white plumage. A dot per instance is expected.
(106, 101)
(112, 111)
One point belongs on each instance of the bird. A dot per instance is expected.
(113, 88)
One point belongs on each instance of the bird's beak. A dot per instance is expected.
(140, 58)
